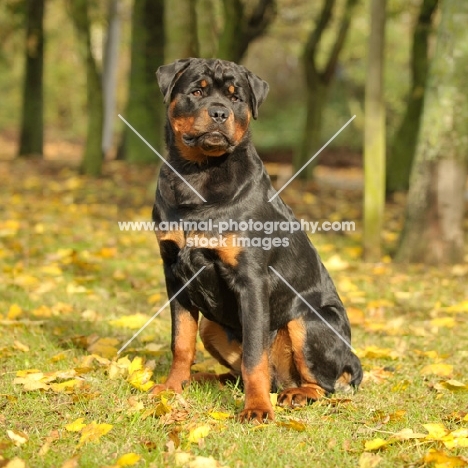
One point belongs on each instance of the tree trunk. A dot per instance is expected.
(433, 231)
(93, 156)
(145, 110)
(405, 140)
(240, 28)
(318, 83)
(109, 76)
(207, 33)
(374, 136)
(317, 94)
(181, 29)
(32, 123)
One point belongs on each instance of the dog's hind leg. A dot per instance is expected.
(322, 359)
(309, 389)
(224, 348)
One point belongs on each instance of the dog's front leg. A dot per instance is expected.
(255, 362)
(184, 335)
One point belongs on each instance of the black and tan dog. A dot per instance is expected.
(252, 323)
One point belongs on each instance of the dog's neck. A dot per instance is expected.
(219, 180)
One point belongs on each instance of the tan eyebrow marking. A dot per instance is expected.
(203, 83)
(231, 89)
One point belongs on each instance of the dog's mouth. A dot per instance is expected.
(212, 143)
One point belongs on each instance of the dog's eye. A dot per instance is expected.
(234, 98)
(197, 93)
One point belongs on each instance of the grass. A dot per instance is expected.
(68, 274)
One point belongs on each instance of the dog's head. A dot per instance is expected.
(210, 104)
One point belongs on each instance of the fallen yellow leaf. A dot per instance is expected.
(356, 316)
(442, 370)
(198, 433)
(52, 270)
(460, 307)
(437, 431)
(406, 434)
(452, 385)
(154, 298)
(162, 407)
(67, 385)
(14, 312)
(293, 424)
(273, 398)
(458, 442)
(76, 426)
(23, 373)
(129, 459)
(141, 379)
(26, 281)
(133, 322)
(18, 437)
(380, 303)
(105, 347)
(20, 346)
(32, 380)
(135, 365)
(336, 263)
(377, 375)
(54, 435)
(442, 460)
(42, 312)
(447, 322)
(93, 432)
(58, 357)
(375, 444)
(107, 252)
(219, 415)
(374, 352)
(15, 463)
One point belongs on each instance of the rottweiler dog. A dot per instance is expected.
(270, 311)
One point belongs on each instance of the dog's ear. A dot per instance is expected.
(167, 76)
(258, 91)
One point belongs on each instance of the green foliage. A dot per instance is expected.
(274, 56)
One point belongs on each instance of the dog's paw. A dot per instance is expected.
(300, 396)
(159, 388)
(256, 415)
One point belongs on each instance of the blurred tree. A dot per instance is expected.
(207, 30)
(144, 108)
(404, 144)
(318, 81)
(374, 135)
(32, 121)
(181, 29)
(242, 24)
(93, 155)
(109, 76)
(433, 231)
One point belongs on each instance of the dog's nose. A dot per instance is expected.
(218, 114)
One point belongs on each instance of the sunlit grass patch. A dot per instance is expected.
(73, 289)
